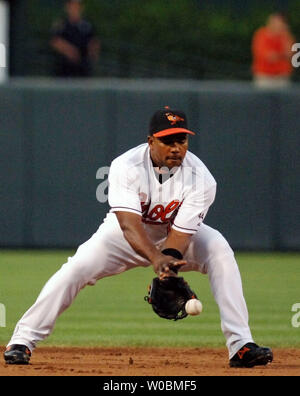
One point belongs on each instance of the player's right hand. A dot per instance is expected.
(165, 266)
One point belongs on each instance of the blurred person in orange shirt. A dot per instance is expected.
(272, 52)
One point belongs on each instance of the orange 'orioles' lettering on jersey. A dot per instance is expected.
(160, 214)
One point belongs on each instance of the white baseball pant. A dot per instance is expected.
(107, 253)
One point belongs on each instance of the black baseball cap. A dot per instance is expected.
(167, 122)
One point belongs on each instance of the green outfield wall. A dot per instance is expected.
(55, 135)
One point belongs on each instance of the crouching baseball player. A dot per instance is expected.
(159, 194)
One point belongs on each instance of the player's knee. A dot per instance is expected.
(81, 270)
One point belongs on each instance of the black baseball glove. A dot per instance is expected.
(169, 296)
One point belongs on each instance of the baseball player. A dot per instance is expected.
(159, 195)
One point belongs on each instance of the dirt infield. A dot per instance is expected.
(60, 361)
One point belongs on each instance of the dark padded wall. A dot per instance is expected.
(235, 133)
(12, 168)
(287, 210)
(55, 136)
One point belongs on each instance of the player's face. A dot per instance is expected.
(168, 151)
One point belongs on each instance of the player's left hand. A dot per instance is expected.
(169, 296)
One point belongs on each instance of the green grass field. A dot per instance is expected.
(114, 313)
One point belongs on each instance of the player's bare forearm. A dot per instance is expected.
(138, 239)
(177, 240)
(136, 235)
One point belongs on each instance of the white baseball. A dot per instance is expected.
(193, 307)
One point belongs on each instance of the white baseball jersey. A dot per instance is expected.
(180, 202)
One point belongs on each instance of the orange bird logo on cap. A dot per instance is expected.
(173, 118)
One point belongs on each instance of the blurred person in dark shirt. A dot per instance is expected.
(74, 42)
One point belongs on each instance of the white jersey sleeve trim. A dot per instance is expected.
(184, 230)
(125, 209)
